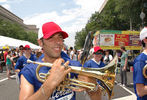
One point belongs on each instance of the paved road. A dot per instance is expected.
(9, 89)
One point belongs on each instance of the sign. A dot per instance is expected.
(142, 15)
(118, 47)
(121, 40)
(134, 40)
(111, 39)
(107, 39)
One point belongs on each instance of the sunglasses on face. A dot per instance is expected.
(21, 48)
(27, 49)
(98, 53)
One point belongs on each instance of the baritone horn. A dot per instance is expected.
(106, 76)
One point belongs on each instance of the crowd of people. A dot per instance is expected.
(15, 59)
(51, 40)
(53, 51)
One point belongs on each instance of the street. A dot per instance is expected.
(9, 89)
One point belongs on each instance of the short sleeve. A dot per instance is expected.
(110, 57)
(28, 72)
(18, 64)
(87, 64)
(126, 55)
(138, 73)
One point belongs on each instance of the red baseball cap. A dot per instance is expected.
(27, 46)
(97, 48)
(49, 29)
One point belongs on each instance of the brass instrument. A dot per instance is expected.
(144, 71)
(105, 75)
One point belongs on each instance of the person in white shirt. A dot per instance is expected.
(71, 53)
(107, 58)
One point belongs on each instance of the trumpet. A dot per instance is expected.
(106, 75)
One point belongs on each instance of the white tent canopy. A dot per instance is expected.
(13, 43)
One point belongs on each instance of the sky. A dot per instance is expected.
(70, 15)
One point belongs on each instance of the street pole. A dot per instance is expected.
(142, 16)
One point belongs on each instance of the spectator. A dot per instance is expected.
(79, 54)
(22, 61)
(21, 50)
(71, 52)
(123, 66)
(5, 53)
(8, 63)
(39, 53)
(1, 61)
(107, 58)
(96, 61)
(75, 55)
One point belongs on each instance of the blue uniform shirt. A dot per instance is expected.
(138, 77)
(93, 64)
(29, 72)
(22, 61)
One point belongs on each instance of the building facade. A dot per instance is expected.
(9, 16)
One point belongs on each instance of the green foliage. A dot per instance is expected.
(80, 37)
(14, 30)
(116, 15)
(32, 37)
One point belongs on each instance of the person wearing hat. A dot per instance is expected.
(140, 82)
(96, 61)
(50, 38)
(22, 60)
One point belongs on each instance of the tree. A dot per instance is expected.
(14, 30)
(116, 15)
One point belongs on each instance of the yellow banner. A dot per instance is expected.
(118, 47)
(131, 32)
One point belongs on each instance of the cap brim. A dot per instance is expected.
(99, 50)
(64, 34)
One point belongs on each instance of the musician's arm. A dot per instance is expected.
(141, 89)
(17, 70)
(57, 75)
(125, 65)
(27, 91)
(95, 95)
(17, 65)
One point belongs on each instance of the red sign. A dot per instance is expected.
(121, 40)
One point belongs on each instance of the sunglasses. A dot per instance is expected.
(27, 49)
(21, 49)
(98, 53)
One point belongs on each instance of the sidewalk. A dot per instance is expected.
(131, 97)
(128, 89)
